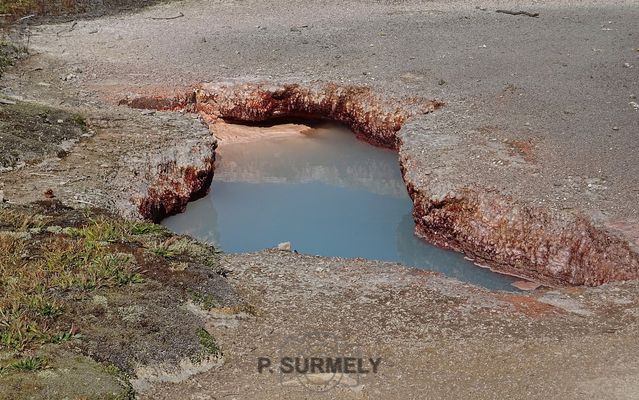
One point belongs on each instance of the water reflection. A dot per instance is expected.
(327, 193)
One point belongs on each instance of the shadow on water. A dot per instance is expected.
(327, 193)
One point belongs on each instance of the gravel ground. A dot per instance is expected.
(437, 338)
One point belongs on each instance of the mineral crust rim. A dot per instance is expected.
(508, 236)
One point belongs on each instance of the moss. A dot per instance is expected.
(208, 347)
(205, 300)
(60, 374)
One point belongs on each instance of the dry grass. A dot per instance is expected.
(15, 9)
(22, 220)
(18, 8)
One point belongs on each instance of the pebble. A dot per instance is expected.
(526, 285)
(54, 229)
(286, 246)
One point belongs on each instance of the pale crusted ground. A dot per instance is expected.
(438, 338)
(556, 82)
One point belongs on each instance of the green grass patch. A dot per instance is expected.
(162, 250)
(208, 347)
(24, 365)
(145, 228)
(204, 300)
(105, 229)
(36, 278)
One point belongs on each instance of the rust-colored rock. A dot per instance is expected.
(524, 241)
(174, 187)
(371, 118)
(510, 237)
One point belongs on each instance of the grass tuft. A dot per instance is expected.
(208, 347)
(24, 364)
(21, 220)
(103, 229)
(204, 300)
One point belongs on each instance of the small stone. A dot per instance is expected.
(148, 112)
(526, 285)
(615, 128)
(179, 266)
(54, 229)
(627, 65)
(16, 235)
(441, 82)
(286, 246)
(60, 121)
(49, 194)
(100, 300)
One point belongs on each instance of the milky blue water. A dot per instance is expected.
(325, 192)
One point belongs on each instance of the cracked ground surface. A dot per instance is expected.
(540, 109)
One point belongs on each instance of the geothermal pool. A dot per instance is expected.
(324, 191)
